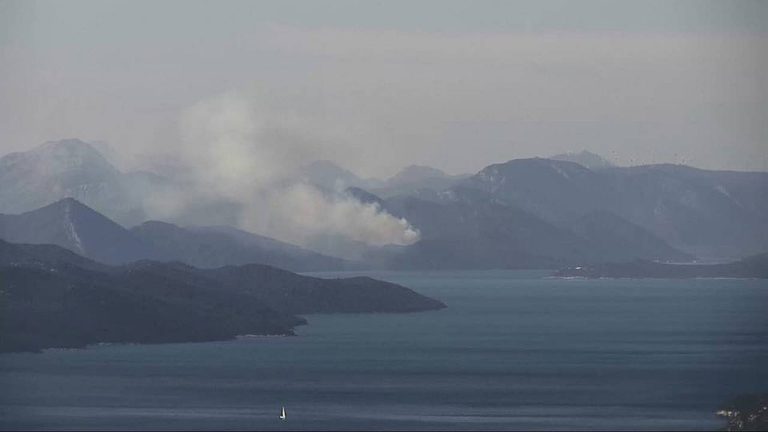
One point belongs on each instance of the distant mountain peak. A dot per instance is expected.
(73, 152)
(65, 168)
(60, 157)
(71, 144)
(68, 201)
(75, 226)
(329, 175)
(66, 206)
(420, 170)
(415, 173)
(584, 158)
(563, 168)
(325, 166)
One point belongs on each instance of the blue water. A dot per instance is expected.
(513, 350)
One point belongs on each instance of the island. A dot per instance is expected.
(51, 297)
(754, 267)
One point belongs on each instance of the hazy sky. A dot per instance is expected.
(379, 85)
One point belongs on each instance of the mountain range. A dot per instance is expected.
(471, 230)
(75, 226)
(522, 213)
(73, 168)
(596, 210)
(709, 214)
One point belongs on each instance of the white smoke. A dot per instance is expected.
(232, 156)
(306, 212)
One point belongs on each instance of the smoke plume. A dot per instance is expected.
(232, 155)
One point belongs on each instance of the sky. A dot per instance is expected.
(376, 86)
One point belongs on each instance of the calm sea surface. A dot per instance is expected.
(513, 350)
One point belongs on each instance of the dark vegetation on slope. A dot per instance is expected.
(51, 297)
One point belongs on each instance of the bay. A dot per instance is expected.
(513, 350)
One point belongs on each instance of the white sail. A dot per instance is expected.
(282, 413)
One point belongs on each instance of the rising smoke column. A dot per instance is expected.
(230, 156)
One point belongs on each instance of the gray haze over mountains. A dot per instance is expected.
(524, 213)
(223, 188)
(585, 158)
(388, 135)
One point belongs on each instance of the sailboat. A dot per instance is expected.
(282, 413)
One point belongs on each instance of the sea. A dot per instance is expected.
(513, 350)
